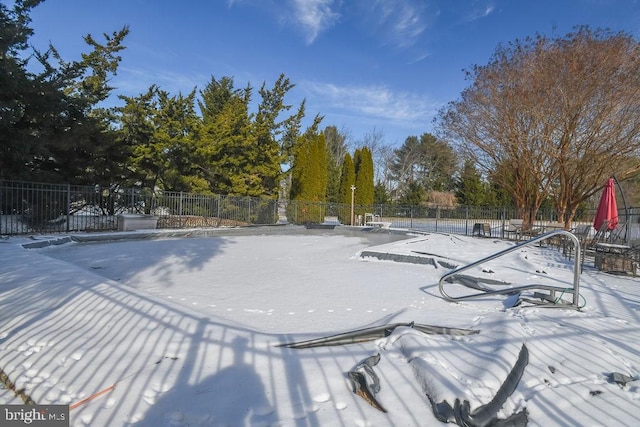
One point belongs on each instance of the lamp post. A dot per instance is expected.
(353, 192)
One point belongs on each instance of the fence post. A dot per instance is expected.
(627, 226)
(68, 206)
(180, 211)
(410, 216)
(466, 220)
(276, 217)
(249, 211)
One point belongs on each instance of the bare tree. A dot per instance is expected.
(375, 142)
(552, 117)
(336, 150)
(336, 145)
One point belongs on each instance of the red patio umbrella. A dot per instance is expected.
(607, 208)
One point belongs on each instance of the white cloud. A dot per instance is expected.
(407, 25)
(479, 11)
(373, 102)
(400, 23)
(314, 16)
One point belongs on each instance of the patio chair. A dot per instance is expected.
(514, 227)
(558, 241)
(481, 229)
(530, 231)
(589, 242)
(600, 236)
(618, 234)
(583, 233)
(611, 252)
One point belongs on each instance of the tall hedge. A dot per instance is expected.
(309, 178)
(363, 163)
(347, 179)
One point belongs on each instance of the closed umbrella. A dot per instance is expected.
(607, 208)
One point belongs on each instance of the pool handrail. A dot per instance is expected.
(510, 290)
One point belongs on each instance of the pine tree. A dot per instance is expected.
(137, 130)
(266, 129)
(470, 190)
(363, 163)
(380, 194)
(320, 172)
(242, 153)
(336, 149)
(347, 179)
(215, 96)
(226, 148)
(160, 131)
(177, 127)
(50, 128)
(309, 178)
(414, 195)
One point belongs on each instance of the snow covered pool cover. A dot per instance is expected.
(188, 332)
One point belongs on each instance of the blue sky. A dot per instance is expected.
(365, 65)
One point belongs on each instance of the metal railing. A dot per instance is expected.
(459, 220)
(551, 300)
(27, 207)
(52, 208)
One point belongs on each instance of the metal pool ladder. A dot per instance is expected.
(550, 299)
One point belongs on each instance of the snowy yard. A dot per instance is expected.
(188, 330)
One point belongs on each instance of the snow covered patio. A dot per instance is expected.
(187, 329)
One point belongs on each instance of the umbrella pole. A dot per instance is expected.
(626, 213)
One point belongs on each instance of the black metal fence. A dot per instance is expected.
(27, 207)
(458, 220)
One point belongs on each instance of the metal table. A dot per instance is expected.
(614, 258)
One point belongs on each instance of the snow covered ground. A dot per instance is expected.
(188, 329)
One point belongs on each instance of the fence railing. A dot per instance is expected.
(27, 207)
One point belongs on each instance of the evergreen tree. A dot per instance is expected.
(347, 179)
(265, 132)
(176, 130)
(226, 147)
(309, 173)
(242, 153)
(319, 168)
(470, 189)
(160, 131)
(427, 160)
(136, 133)
(336, 150)
(380, 194)
(363, 164)
(291, 133)
(413, 196)
(309, 178)
(215, 96)
(49, 130)
(109, 166)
